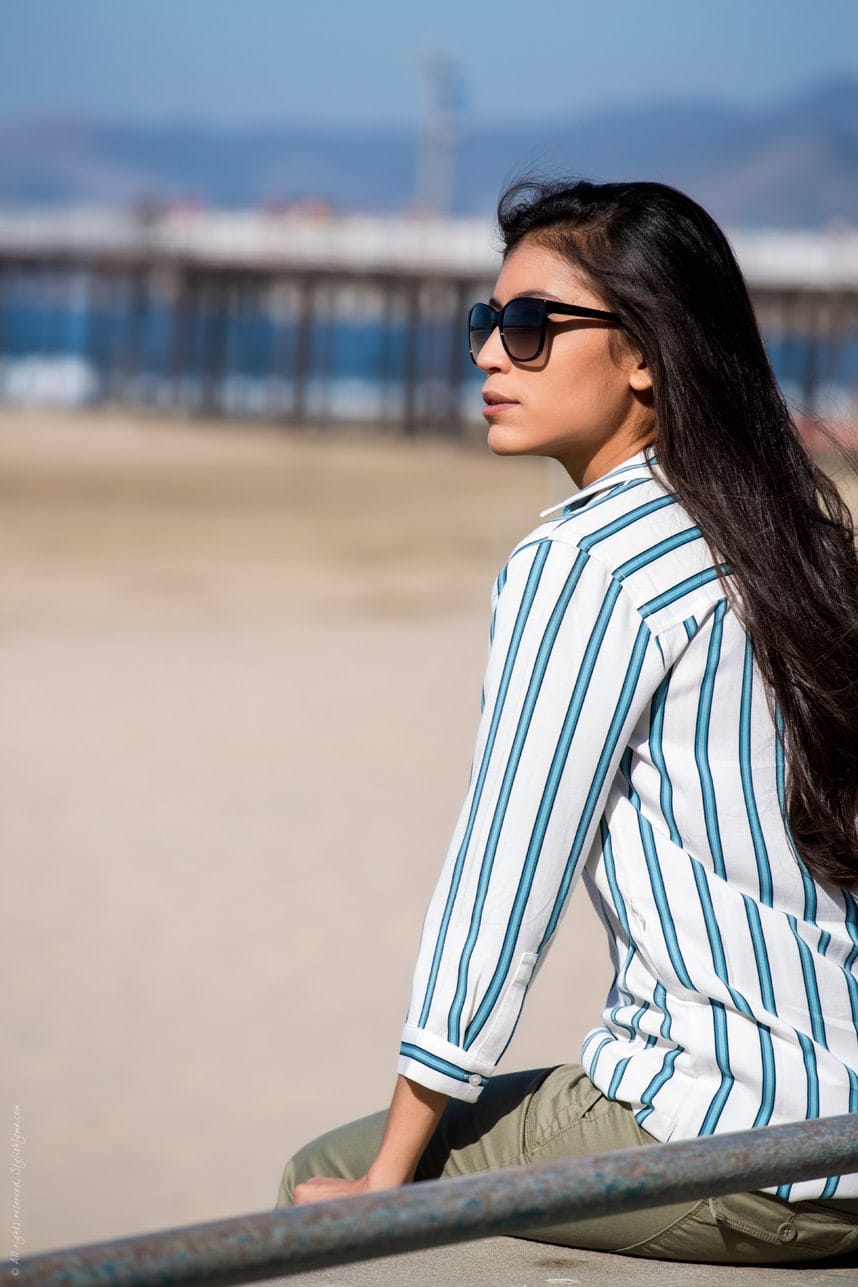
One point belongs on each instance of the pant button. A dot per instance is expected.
(787, 1231)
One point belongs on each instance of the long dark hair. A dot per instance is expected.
(727, 445)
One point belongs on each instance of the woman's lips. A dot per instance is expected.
(496, 404)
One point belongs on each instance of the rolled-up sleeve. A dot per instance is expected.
(572, 667)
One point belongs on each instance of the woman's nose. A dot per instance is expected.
(492, 356)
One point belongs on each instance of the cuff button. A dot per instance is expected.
(475, 1079)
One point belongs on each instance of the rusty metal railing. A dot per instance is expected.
(513, 1200)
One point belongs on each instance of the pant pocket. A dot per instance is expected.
(569, 1116)
(750, 1229)
(793, 1231)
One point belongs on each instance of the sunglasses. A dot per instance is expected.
(522, 324)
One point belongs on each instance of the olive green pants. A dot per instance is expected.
(547, 1114)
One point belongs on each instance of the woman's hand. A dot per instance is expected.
(326, 1188)
(414, 1113)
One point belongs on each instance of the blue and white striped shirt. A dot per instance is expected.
(626, 737)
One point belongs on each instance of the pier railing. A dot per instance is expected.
(356, 317)
(430, 1214)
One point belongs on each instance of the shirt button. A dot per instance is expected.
(475, 1079)
(787, 1231)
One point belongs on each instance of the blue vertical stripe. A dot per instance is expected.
(722, 1059)
(808, 883)
(660, 998)
(499, 585)
(620, 715)
(591, 1067)
(665, 916)
(764, 871)
(656, 742)
(716, 944)
(814, 1006)
(767, 993)
(661, 1078)
(850, 911)
(619, 906)
(701, 739)
(810, 1067)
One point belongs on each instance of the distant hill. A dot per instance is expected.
(794, 165)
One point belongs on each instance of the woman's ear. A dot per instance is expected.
(639, 376)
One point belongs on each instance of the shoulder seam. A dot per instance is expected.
(549, 539)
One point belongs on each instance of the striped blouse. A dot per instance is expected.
(625, 738)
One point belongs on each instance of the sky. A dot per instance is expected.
(334, 62)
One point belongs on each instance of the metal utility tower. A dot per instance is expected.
(439, 134)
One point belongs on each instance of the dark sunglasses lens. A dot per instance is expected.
(522, 328)
(481, 320)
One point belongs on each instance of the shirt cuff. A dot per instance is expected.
(438, 1065)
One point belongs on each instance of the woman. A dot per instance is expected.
(669, 711)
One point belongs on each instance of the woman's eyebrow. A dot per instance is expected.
(528, 294)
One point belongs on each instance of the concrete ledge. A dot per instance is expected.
(513, 1262)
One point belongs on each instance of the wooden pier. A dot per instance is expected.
(243, 313)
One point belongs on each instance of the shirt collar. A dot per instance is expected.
(637, 466)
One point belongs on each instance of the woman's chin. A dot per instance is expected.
(506, 442)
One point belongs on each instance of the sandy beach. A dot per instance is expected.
(240, 683)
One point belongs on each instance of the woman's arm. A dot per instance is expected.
(572, 667)
(414, 1113)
